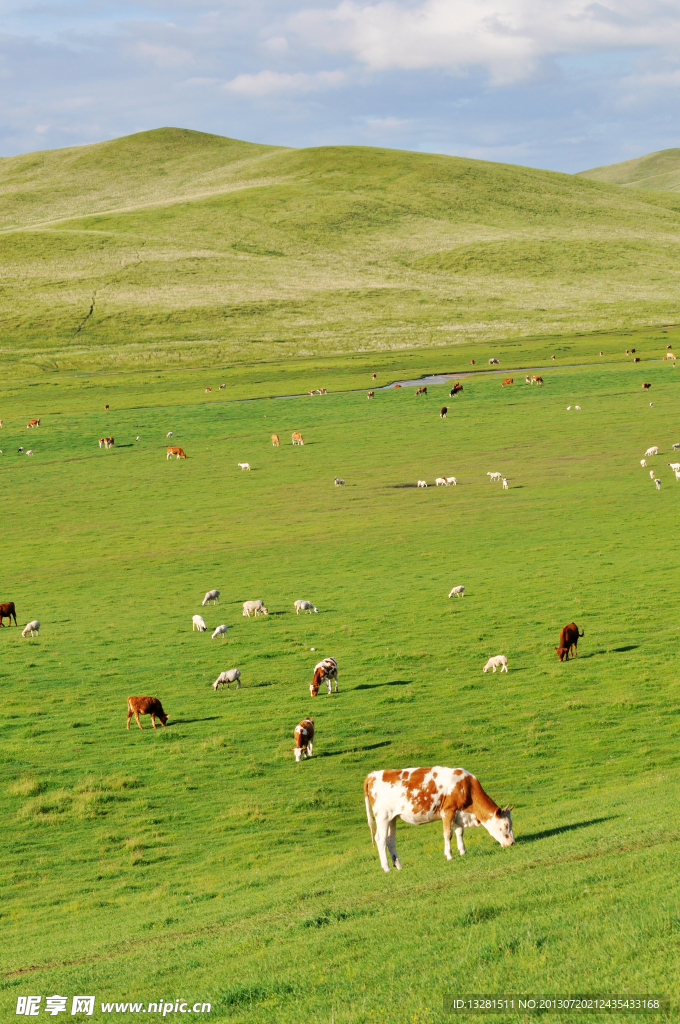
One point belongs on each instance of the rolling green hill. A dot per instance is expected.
(175, 248)
(658, 171)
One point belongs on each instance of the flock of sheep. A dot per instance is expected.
(675, 466)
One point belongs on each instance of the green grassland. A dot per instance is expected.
(200, 861)
(177, 249)
(659, 171)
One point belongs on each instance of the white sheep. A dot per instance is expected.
(244, 465)
(500, 661)
(577, 407)
(505, 484)
(652, 451)
(339, 483)
(451, 480)
(651, 473)
(676, 446)
(494, 477)
(31, 628)
(458, 591)
(233, 675)
(675, 466)
(220, 631)
(169, 434)
(494, 361)
(677, 474)
(657, 484)
(30, 451)
(643, 463)
(568, 408)
(198, 623)
(256, 607)
(422, 483)
(212, 595)
(441, 481)
(304, 606)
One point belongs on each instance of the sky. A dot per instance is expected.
(559, 84)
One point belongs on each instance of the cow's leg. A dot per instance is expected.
(381, 827)
(330, 685)
(336, 684)
(310, 748)
(298, 753)
(129, 716)
(153, 720)
(392, 843)
(447, 821)
(459, 840)
(137, 719)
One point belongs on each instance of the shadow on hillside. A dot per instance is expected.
(124, 446)
(563, 828)
(374, 686)
(356, 750)
(192, 721)
(590, 654)
(621, 650)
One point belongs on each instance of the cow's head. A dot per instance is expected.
(562, 653)
(499, 825)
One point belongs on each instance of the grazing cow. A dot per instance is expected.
(31, 628)
(296, 437)
(244, 465)
(146, 706)
(233, 675)
(646, 387)
(653, 451)
(222, 387)
(197, 622)
(371, 394)
(456, 389)
(304, 606)
(419, 795)
(208, 390)
(632, 351)
(106, 408)
(325, 670)
(0, 424)
(494, 361)
(32, 423)
(304, 738)
(652, 474)
(220, 631)
(422, 483)
(441, 481)
(505, 483)
(643, 463)
(500, 661)
(339, 482)
(536, 380)
(552, 357)
(213, 596)
(657, 484)
(508, 380)
(451, 480)
(636, 359)
(275, 441)
(458, 591)
(569, 638)
(627, 352)
(256, 607)
(442, 412)
(106, 441)
(8, 611)
(373, 376)
(179, 452)
(421, 391)
(397, 386)
(528, 379)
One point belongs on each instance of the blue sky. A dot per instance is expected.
(565, 85)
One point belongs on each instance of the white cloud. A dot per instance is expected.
(387, 123)
(266, 83)
(163, 56)
(277, 44)
(506, 37)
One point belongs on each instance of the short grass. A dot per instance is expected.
(176, 249)
(659, 171)
(200, 861)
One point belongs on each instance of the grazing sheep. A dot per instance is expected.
(676, 446)
(651, 473)
(442, 412)
(244, 465)
(458, 591)
(500, 661)
(441, 481)
(451, 480)
(493, 361)
(304, 738)
(643, 463)
(657, 484)
(677, 474)
(304, 606)
(31, 627)
(30, 451)
(494, 477)
(578, 408)
(210, 597)
(256, 607)
(339, 483)
(232, 676)
(198, 623)
(422, 483)
(568, 408)
(675, 466)
(169, 434)
(220, 631)
(505, 484)
(654, 450)
(222, 387)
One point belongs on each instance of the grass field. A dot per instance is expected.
(199, 861)
(176, 249)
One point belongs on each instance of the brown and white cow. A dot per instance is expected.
(646, 387)
(456, 389)
(146, 706)
(326, 670)
(275, 441)
(179, 452)
(297, 438)
(536, 380)
(32, 423)
(8, 611)
(421, 391)
(371, 394)
(443, 412)
(508, 380)
(106, 441)
(419, 795)
(569, 637)
(208, 390)
(304, 738)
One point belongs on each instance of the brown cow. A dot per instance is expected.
(146, 706)
(373, 376)
(304, 738)
(32, 423)
(569, 637)
(508, 380)
(297, 438)
(397, 386)
(175, 451)
(472, 362)
(275, 441)
(636, 359)
(421, 391)
(106, 441)
(646, 387)
(8, 610)
(536, 380)
(442, 412)
(456, 389)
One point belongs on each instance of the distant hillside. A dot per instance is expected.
(174, 246)
(655, 171)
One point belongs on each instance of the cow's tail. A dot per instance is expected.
(368, 810)
(581, 634)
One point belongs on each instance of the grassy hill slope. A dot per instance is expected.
(176, 247)
(654, 171)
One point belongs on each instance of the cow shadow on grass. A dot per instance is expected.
(622, 650)
(590, 654)
(124, 446)
(192, 721)
(356, 750)
(374, 686)
(548, 832)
